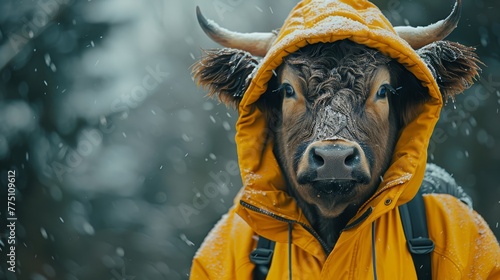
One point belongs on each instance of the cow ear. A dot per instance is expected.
(454, 66)
(226, 73)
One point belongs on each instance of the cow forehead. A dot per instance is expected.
(313, 85)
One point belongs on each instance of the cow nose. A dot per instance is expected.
(334, 161)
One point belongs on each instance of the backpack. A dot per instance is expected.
(413, 218)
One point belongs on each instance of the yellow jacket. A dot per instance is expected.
(465, 247)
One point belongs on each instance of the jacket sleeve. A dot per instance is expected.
(198, 271)
(465, 246)
(487, 251)
(224, 254)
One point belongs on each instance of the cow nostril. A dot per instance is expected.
(318, 160)
(351, 160)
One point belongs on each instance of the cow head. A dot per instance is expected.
(335, 108)
(336, 130)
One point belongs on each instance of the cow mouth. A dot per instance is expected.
(335, 187)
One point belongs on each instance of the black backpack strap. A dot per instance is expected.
(262, 257)
(415, 228)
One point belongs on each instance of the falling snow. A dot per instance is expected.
(116, 161)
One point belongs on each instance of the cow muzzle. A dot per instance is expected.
(334, 166)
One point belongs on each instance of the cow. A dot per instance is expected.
(333, 111)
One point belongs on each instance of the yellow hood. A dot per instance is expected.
(315, 21)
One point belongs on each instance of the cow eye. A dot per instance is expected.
(288, 90)
(384, 90)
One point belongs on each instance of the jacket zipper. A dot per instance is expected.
(272, 215)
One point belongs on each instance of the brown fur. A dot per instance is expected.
(453, 65)
(225, 73)
(339, 75)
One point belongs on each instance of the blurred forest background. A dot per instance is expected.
(114, 146)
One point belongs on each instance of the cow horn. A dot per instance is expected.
(420, 36)
(256, 43)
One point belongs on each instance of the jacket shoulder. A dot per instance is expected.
(465, 245)
(224, 254)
